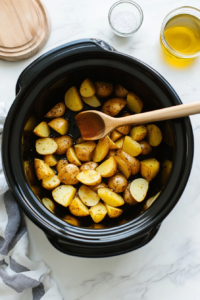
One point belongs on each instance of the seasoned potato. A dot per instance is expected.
(101, 150)
(29, 172)
(68, 174)
(78, 209)
(115, 135)
(131, 147)
(88, 166)
(89, 177)
(84, 150)
(71, 220)
(73, 100)
(72, 158)
(120, 142)
(120, 91)
(98, 212)
(150, 201)
(149, 168)
(112, 145)
(109, 197)
(134, 103)
(50, 160)
(42, 170)
(113, 106)
(166, 171)
(132, 161)
(128, 197)
(88, 196)
(103, 89)
(46, 146)
(110, 154)
(138, 133)
(154, 135)
(64, 194)
(113, 212)
(49, 204)
(87, 88)
(60, 125)
(117, 183)
(168, 134)
(37, 191)
(30, 124)
(61, 164)
(123, 166)
(80, 140)
(42, 130)
(57, 111)
(92, 101)
(139, 188)
(125, 128)
(107, 168)
(97, 186)
(146, 148)
(63, 143)
(97, 226)
(51, 182)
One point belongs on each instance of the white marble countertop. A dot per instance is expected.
(169, 266)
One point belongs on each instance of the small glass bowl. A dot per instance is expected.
(126, 6)
(187, 10)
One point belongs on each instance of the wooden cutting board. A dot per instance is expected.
(24, 28)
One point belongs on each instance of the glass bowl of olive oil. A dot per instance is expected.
(180, 33)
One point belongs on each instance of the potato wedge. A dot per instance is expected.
(149, 168)
(110, 154)
(29, 172)
(154, 135)
(50, 183)
(128, 197)
(146, 148)
(138, 133)
(73, 100)
(123, 166)
(72, 158)
(134, 103)
(107, 168)
(80, 140)
(37, 191)
(50, 160)
(120, 142)
(42, 170)
(89, 177)
(98, 212)
(131, 147)
(125, 128)
(30, 124)
(101, 150)
(132, 161)
(112, 145)
(150, 201)
(42, 130)
(46, 146)
(109, 197)
(84, 150)
(113, 212)
(88, 196)
(92, 101)
(87, 88)
(88, 166)
(63, 143)
(68, 174)
(120, 91)
(57, 111)
(103, 89)
(71, 220)
(139, 188)
(64, 194)
(49, 204)
(60, 125)
(61, 164)
(115, 135)
(166, 171)
(113, 106)
(117, 183)
(97, 186)
(78, 209)
(168, 135)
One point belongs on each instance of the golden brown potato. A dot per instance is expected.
(123, 166)
(132, 161)
(46, 146)
(49, 204)
(30, 124)
(138, 133)
(29, 172)
(149, 168)
(98, 212)
(120, 91)
(85, 150)
(113, 212)
(168, 136)
(117, 183)
(134, 103)
(112, 145)
(50, 160)
(125, 128)
(64, 194)
(146, 148)
(71, 220)
(72, 158)
(61, 164)
(87, 88)
(88, 196)
(110, 154)
(92, 101)
(166, 171)
(37, 191)
(103, 89)
(101, 150)
(150, 201)
(128, 197)
(42, 170)
(113, 106)
(131, 147)
(80, 140)
(107, 168)
(73, 100)
(115, 135)
(120, 142)
(88, 166)
(97, 186)
(139, 188)
(68, 174)
(154, 135)
(97, 226)
(57, 111)
(42, 130)
(60, 125)
(63, 143)
(89, 177)
(51, 182)
(109, 197)
(78, 209)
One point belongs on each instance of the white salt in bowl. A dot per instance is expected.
(125, 17)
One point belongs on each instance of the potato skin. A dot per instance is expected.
(103, 89)
(57, 111)
(67, 174)
(146, 148)
(71, 220)
(97, 186)
(125, 128)
(149, 168)
(80, 140)
(117, 183)
(63, 142)
(134, 162)
(128, 197)
(61, 163)
(42, 170)
(85, 150)
(113, 106)
(154, 135)
(88, 166)
(120, 91)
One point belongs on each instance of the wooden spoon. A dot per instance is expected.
(95, 125)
